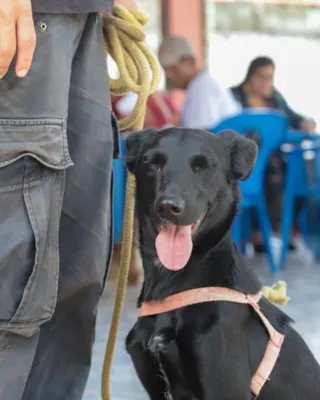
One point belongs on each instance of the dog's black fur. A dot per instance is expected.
(208, 351)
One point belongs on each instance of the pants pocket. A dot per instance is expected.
(31, 193)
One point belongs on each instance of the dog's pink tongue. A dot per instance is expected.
(174, 246)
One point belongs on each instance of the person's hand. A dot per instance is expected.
(308, 126)
(17, 36)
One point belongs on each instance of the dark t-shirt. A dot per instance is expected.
(71, 6)
(276, 101)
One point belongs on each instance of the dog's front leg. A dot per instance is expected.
(215, 363)
(146, 364)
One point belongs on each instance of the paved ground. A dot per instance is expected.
(302, 276)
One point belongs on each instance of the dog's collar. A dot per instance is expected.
(196, 296)
(209, 294)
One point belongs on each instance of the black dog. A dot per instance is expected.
(187, 196)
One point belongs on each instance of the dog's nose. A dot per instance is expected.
(168, 208)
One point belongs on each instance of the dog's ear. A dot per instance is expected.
(243, 153)
(134, 144)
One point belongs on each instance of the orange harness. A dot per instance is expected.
(201, 295)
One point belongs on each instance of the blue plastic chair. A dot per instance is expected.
(119, 181)
(272, 127)
(298, 136)
(301, 182)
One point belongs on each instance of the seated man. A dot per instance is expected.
(206, 102)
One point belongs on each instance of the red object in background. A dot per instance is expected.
(160, 111)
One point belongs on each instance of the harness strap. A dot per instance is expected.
(201, 295)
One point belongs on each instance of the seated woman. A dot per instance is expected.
(257, 91)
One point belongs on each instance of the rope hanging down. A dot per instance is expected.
(139, 73)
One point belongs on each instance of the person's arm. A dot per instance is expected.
(17, 36)
(206, 105)
(199, 111)
(296, 120)
(228, 104)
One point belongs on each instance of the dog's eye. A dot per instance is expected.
(154, 166)
(157, 162)
(199, 163)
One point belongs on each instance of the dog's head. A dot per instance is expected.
(186, 184)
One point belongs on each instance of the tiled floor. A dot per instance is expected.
(303, 280)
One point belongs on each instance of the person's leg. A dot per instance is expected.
(33, 159)
(274, 187)
(271, 190)
(63, 356)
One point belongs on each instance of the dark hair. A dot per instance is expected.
(238, 91)
(256, 64)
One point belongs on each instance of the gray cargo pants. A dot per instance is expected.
(56, 148)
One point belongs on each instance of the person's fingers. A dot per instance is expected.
(7, 41)
(26, 43)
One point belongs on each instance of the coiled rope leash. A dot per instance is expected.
(139, 73)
